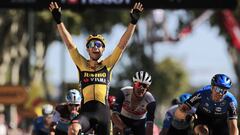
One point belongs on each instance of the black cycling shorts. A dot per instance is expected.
(98, 116)
(216, 126)
(173, 131)
(137, 126)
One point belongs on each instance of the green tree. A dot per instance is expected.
(171, 80)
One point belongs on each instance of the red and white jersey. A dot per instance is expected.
(133, 110)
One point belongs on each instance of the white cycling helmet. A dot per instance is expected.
(142, 77)
(47, 109)
(74, 97)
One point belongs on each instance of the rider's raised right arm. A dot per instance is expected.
(65, 35)
(56, 13)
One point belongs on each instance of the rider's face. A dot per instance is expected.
(140, 89)
(74, 107)
(48, 119)
(218, 93)
(95, 49)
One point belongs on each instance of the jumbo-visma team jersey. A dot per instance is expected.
(226, 108)
(94, 83)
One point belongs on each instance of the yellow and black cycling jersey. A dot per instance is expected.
(94, 83)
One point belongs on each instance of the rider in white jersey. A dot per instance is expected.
(135, 106)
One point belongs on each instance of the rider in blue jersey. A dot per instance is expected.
(42, 123)
(216, 108)
(172, 126)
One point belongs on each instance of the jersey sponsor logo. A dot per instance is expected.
(194, 98)
(168, 117)
(85, 80)
(218, 109)
(102, 80)
(233, 107)
(206, 110)
(218, 113)
(135, 111)
(206, 104)
(95, 75)
(92, 78)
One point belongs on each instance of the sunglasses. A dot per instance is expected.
(220, 90)
(140, 85)
(95, 43)
(73, 105)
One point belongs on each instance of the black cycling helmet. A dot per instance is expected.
(221, 80)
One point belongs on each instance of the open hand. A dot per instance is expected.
(56, 12)
(136, 12)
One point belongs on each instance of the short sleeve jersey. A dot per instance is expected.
(144, 110)
(226, 108)
(39, 128)
(94, 83)
(62, 117)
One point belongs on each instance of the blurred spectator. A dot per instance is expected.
(3, 126)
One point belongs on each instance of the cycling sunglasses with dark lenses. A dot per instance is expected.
(220, 90)
(94, 43)
(139, 85)
(74, 105)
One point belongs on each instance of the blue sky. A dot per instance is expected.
(203, 54)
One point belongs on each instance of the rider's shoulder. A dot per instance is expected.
(204, 90)
(149, 96)
(38, 120)
(230, 97)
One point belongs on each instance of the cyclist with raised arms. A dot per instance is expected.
(42, 123)
(95, 75)
(172, 126)
(216, 108)
(65, 118)
(135, 106)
